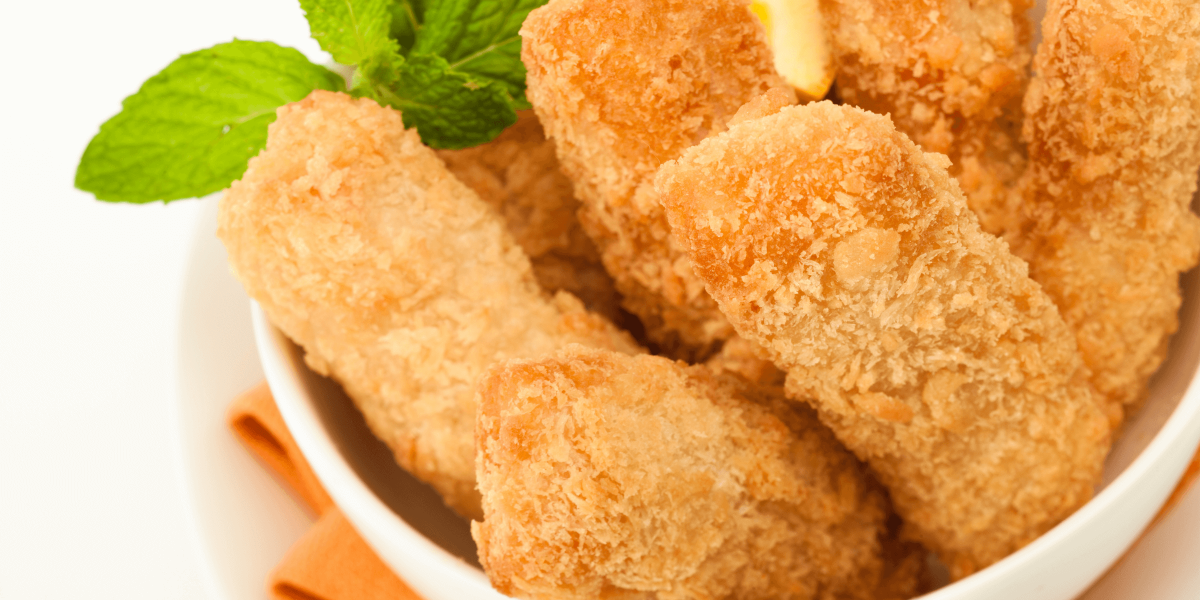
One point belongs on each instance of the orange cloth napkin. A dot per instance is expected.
(331, 561)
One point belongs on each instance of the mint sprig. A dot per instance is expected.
(354, 32)
(480, 38)
(190, 130)
(445, 116)
(461, 82)
(452, 67)
(407, 16)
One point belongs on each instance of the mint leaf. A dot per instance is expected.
(479, 38)
(406, 22)
(190, 129)
(454, 105)
(449, 109)
(377, 72)
(356, 32)
(353, 31)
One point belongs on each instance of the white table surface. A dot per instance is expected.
(90, 504)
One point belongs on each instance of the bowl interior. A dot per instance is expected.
(415, 505)
(371, 461)
(1167, 387)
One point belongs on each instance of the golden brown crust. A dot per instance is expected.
(608, 476)
(1114, 146)
(951, 74)
(741, 357)
(518, 175)
(830, 239)
(622, 86)
(398, 281)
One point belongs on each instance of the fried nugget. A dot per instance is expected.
(609, 476)
(834, 242)
(951, 74)
(1114, 147)
(517, 174)
(622, 86)
(741, 357)
(395, 278)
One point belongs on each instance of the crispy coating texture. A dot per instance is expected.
(850, 255)
(951, 74)
(745, 359)
(1114, 146)
(623, 86)
(610, 476)
(518, 175)
(395, 278)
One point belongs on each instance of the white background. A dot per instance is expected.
(89, 292)
(89, 499)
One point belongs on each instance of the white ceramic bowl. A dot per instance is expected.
(431, 548)
(402, 519)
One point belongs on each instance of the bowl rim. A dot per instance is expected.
(373, 520)
(376, 522)
(1181, 427)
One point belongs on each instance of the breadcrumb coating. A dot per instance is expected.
(951, 74)
(741, 357)
(609, 476)
(1114, 147)
(395, 278)
(623, 86)
(833, 241)
(518, 174)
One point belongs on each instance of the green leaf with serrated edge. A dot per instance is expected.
(190, 129)
(479, 38)
(375, 73)
(406, 22)
(353, 31)
(449, 109)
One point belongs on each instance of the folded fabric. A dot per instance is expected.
(331, 561)
(255, 419)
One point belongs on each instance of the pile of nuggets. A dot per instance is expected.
(908, 322)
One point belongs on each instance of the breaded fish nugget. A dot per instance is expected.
(622, 86)
(1114, 147)
(518, 174)
(951, 74)
(833, 241)
(395, 278)
(744, 358)
(610, 476)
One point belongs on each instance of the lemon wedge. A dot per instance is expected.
(797, 36)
